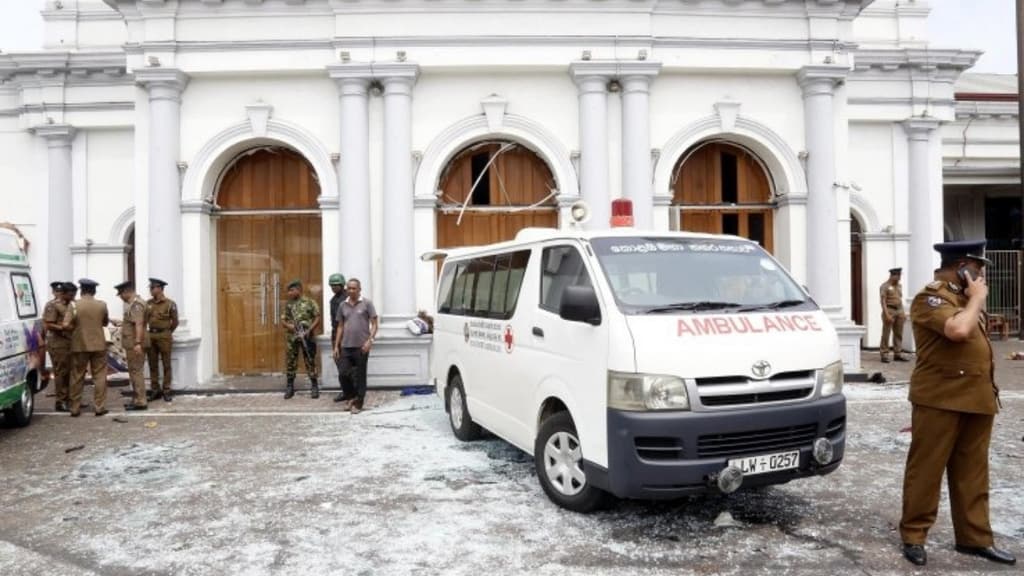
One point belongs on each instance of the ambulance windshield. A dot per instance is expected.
(652, 275)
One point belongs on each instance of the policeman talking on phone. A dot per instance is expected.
(954, 400)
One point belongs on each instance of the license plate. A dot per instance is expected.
(765, 463)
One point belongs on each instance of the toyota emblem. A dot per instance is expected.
(761, 368)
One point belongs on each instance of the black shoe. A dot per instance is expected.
(315, 393)
(168, 396)
(885, 360)
(61, 407)
(988, 553)
(342, 398)
(915, 553)
(76, 414)
(153, 395)
(131, 407)
(901, 359)
(103, 412)
(289, 392)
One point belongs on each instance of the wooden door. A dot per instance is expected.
(722, 189)
(510, 179)
(268, 234)
(856, 272)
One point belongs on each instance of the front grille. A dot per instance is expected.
(719, 380)
(756, 441)
(658, 447)
(756, 398)
(835, 427)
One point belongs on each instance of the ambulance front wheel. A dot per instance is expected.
(458, 413)
(558, 458)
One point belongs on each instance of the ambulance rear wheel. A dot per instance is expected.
(558, 458)
(458, 413)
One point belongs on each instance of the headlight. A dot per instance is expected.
(831, 379)
(646, 392)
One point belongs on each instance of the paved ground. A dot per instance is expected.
(250, 484)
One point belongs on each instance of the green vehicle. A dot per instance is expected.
(22, 343)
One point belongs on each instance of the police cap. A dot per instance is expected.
(952, 251)
(126, 285)
(57, 286)
(157, 282)
(295, 284)
(70, 287)
(83, 282)
(896, 271)
(336, 279)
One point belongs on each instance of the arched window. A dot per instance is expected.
(721, 188)
(490, 191)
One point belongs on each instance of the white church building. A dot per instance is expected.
(229, 146)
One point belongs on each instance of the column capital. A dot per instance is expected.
(637, 76)
(820, 79)
(390, 73)
(162, 83)
(351, 78)
(56, 135)
(587, 73)
(921, 127)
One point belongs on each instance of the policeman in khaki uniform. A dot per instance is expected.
(89, 348)
(163, 321)
(954, 399)
(56, 315)
(893, 316)
(135, 341)
(301, 318)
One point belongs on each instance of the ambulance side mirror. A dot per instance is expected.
(579, 304)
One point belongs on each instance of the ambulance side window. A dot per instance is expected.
(508, 279)
(561, 266)
(24, 295)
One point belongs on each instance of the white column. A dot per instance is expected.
(164, 86)
(399, 275)
(59, 224)
(818, 84)
(636, 78)
(353, 81)
(592, 82)
(922, 259)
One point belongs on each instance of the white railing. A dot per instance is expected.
(1004, 275)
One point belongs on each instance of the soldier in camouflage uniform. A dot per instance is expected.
(301, 318)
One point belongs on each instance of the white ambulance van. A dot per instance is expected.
(22, 344)
(641, 364)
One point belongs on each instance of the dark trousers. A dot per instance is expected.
(353, 374)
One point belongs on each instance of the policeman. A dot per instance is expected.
(954, 400)
(893, 316)
(89, 348)
(134, 341)
(58, 342)
(337, 283)
(163, 321)
(301, 318)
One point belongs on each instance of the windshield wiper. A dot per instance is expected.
(701, 305)
(773, 305)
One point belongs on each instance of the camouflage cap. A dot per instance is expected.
(295, 284)
(336, 279)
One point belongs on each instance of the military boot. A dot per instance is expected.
(315, 393)
(289, 391)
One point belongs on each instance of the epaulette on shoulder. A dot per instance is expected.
(934, 286)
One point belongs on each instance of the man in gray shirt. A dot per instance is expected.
(357, 328)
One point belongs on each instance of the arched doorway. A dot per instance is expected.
(856, 271)
(721, 188)
(268, 234)
(508, 188)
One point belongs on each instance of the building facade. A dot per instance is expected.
(228, 146)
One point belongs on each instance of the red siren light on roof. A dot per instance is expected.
(622, 212)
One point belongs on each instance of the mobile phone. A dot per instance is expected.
(966, 273)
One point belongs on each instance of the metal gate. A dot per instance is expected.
(1003, 303)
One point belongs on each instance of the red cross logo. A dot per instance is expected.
(509, 339)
